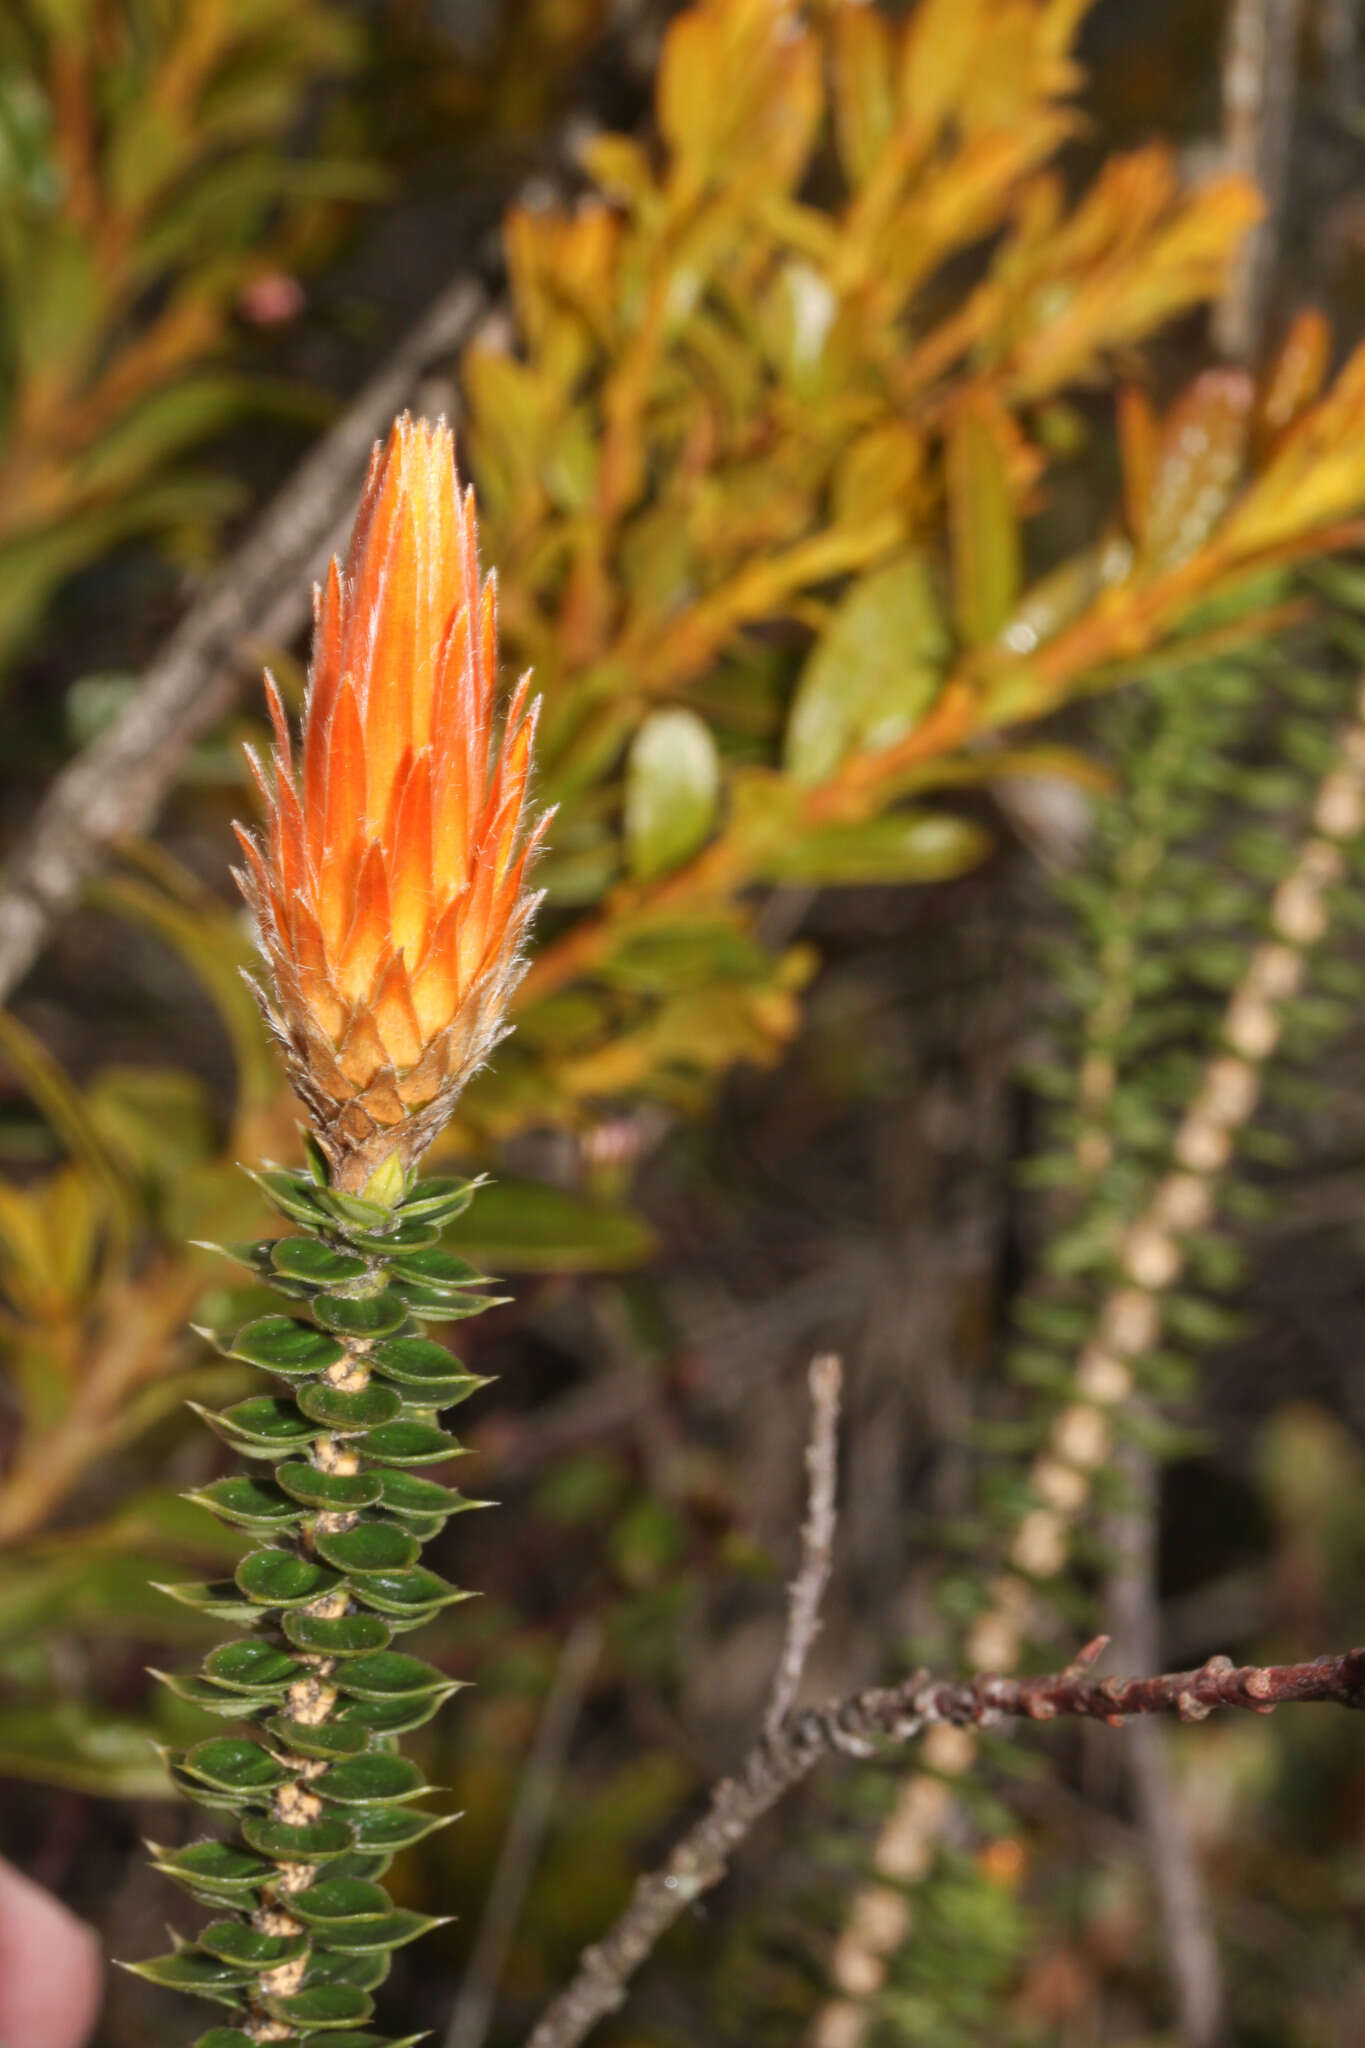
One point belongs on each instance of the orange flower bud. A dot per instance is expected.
(389, 884)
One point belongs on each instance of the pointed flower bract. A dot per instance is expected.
(389, 884)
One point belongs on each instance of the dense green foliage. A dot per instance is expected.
(319, 1791)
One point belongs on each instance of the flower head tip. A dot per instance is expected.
(388, 885)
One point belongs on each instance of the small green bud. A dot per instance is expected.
(387, 1184)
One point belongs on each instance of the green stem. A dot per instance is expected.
(302, 1930)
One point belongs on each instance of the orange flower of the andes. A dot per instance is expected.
(389, 884)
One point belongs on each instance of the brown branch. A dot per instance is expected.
(112, 789)
(817, 1540)
(857, 1726)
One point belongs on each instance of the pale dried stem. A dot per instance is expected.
(1189, 1945)
(1260, 75)
(817, 1539)
(525, 1833)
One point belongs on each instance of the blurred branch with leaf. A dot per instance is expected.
(150, 171)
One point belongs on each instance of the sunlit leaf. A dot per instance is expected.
(672, 789)
(874, 672)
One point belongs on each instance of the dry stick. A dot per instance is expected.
(856, 1726)
(1339, 52)
(112, 789)
(525, 1832)
(1189, 1943)
(1259, 80)
(817, 1539)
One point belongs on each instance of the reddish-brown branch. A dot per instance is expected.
(785, 1756)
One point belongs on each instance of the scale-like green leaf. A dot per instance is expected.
(200, 1976)
(212, 1699)
(392, 1828)
(406, 1493)
(256, 1505)
(348, 1635)
(231, 1941)
(363, 1409)
(374, 1780)
(336, 1899)
(365, 1970)
(281, 1578)
(330, 1738)
(216, 1598)
(439, 1200)
(442, 1305)
(263, 1427)
(418, 1362)
(367, 2041)
(368, 1937)
(368, 1547)
(439, 1269)
(401, 1592)
(396, 1716)
(283, 1345)
(233, 1763)
(369, 1315)
(316, 1489)
(293, 1195)
(217, 1864)
(355, 1209)
(315, 1841)
(323, 2006)
(305, 1258)
(391, 1675)
(253, 1665)
(409, 1443)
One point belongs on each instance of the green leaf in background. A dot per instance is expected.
(81, 1750)
(987, 560)
(672, 791)
(874, 672)
(903, 846)
(529, 1227)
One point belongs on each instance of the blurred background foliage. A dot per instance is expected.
(940, 673)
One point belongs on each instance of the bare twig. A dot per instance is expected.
(1190, 1946)
(857, 1726)
(1259, 78)
(1339, 52)
(113, 788)
(525, 1832)
(817, 1539)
